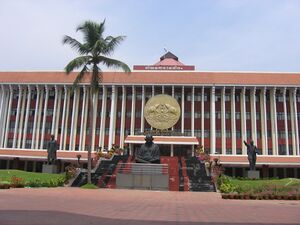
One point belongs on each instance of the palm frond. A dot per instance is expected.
(77, 63)
(79, 78)
(81, 48)
(113, 63)
(112, 43)
(91, 32)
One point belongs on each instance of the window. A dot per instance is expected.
(218, 114)
(238, 134)
(218, 134)
(197, 115)
(206, 115)
(128, 114)
(198, 97)
(138, 114)
(206, 134)
(228, 133)
(227, 97)
(187, 114)
(280, 116)
(197, 133)
(218, 97)
(257, 116)
(248, 116)
(189, 97)
(237, 115)
(49, 112)
(228, 115)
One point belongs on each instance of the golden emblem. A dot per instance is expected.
(162, 111)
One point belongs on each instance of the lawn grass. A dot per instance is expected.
(89, 186)
(287, 182)
(263, 185)
(6, 175)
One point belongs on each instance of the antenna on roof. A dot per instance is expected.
(165, 50)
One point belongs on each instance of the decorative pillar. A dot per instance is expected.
(285, 122)
(253, 115)
(172, 150)
(212, 120)
(57, 110)
(86, 115)
(132, 120)
(37, 138)
(243, 119)
(223, 120)
(103, 117)
(202, 116)
(63, 119)
(274, 120)
(20, 128)
(173, 95)
(54, 111)
(294, 121)
(112, 116)
(193, 112)
(142, 110)
(83, 114)
(263, 115)
(182, 110)
(20, 95)
(44, 117)
(34, 127)
(2, 113)
(26, 116)
(11, 93)
(123, 117)
(233, 122)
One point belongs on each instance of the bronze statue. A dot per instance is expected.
(149, 152)
(51, 150)
(251, 152)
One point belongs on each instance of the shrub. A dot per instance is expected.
(5, 185)
(17, 182)
(227, 188)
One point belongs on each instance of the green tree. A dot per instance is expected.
(95, 50)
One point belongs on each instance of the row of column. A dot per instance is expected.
(60, 118)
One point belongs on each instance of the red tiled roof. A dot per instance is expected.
(203, 78)
(169, 62)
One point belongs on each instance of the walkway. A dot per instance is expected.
(74, 206)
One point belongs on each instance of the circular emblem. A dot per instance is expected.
(162, 111)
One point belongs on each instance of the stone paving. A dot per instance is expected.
(75, 206)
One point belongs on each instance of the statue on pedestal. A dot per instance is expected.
(251, 152)
(149, 152)
(51, 150)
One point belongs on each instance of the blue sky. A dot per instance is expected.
(213, 35)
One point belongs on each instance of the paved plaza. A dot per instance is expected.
(74, 206)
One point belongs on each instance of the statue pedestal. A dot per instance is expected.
(49, 168)
(253, 174)
(143, 176)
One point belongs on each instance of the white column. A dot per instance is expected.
(94, 115)
(112, 116)
(162, 89)
(274, 121)
(172, 150)
(44, 117)
(86, 106)
(263, 115)
(212, 120)
(103, 118)
(223, 120)
(285, 122)
(37, 138)
(26, 116)
(74, 119)
(294, 121)
(3, 108)
(182, 110)
(34, 127)
(20, 129)
(153, 90)
(20, 95)
(123, 114)
(233, 122)
(66, 120)
(243, 119)
(142, 109)
(63, 119)
(173, 95)
(132, 120)
(54, 111)
(202, 116)
(83, 113)
(4, 116)
(58, 112)
(11, 93)
(253, 115)
(193, 112)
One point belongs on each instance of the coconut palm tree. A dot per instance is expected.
(94, 51)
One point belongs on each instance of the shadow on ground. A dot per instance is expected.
(35, 217)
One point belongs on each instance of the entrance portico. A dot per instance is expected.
(167, 142)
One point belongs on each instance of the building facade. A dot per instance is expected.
(219, 110)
